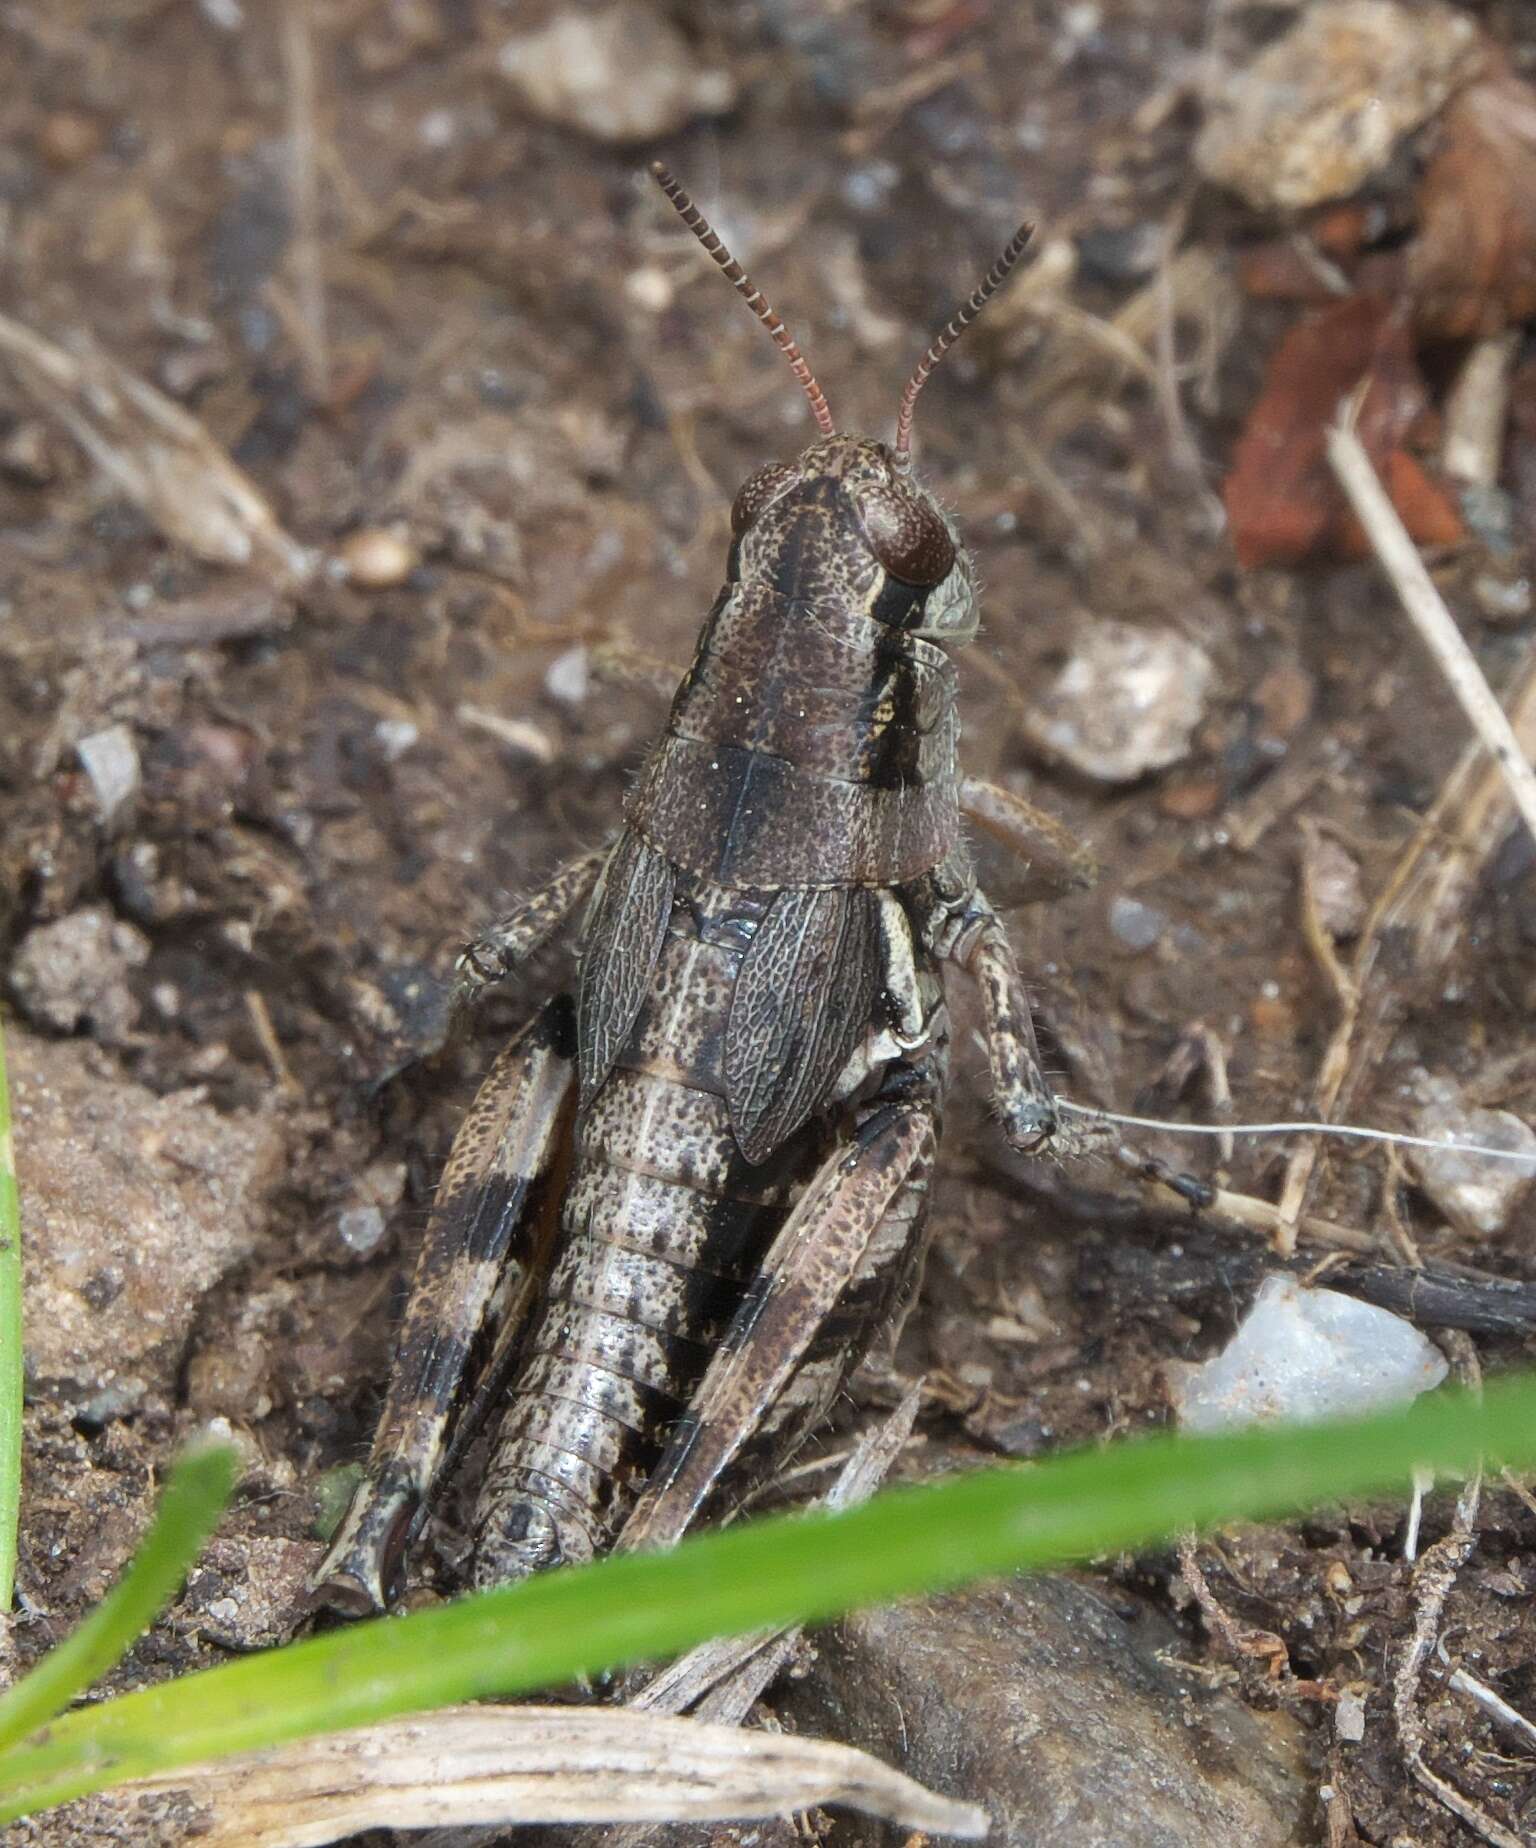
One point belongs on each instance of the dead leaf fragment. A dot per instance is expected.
(1472, 269)
(1282, 502)
(488, 1765)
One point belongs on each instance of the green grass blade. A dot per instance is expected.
(199, 1486)
(549, 1629)
(10, 1347)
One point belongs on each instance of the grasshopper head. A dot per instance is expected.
(881, 538)
(896, 551)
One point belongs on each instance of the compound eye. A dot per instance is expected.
(766, 485)
(906, 535)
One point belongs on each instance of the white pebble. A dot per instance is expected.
(361, 1229)
(377, 557)
(395, 737)
(1301, 1355)
(1349, 1718)
(1475, 1194)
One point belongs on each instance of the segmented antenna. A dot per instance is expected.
(699, 225)
(990, 284)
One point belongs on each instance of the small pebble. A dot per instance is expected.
(111, 761)
(1284, 698)
(1475, 1194)
(1191, 798)
(1121, 254)
(650, 288)
(395, 737)
(1349, 1718)
(1300, 1355)
(1337, 889)
(75, 971)
(377, 557)
(27, 455)
(69, 138)
(1134, 924)
(361, 1229)
(1272, 1017)
(1503, 599)
(569, 677)
(1127, 702)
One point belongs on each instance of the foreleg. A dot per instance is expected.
(847, 1234)
(476, 1277)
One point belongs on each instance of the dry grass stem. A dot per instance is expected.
(155, 453)
(1425, 609)
(1478, 410)
(490, 1765)
(304, 181)
(1495, 1705)
(271, 1046)
(1303, 1161)
(1433, 1579)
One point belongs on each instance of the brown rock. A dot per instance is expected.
(1038, 1699)
(133, 1208)
(1126, 702)
(1322, 108)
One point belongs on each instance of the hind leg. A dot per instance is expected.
(476, 1277)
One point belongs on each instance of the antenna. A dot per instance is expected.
(699, 225)
(963, 317)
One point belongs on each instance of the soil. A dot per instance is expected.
(537, 401)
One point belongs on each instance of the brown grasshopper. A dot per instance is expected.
(685, 1200)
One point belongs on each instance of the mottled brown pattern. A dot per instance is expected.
(621, 941)
(806, 993)
(761, 1051)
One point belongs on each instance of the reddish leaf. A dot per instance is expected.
(1283, 503)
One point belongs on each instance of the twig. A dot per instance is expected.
(303, 171)
(271, 1045)
(1494, 1704)
(1239, 1639)
(1425, 609)
(1477, 411)
(1302, 1163)
(1433, 1578)
(495, 1765)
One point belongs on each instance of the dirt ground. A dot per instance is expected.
(515, 444)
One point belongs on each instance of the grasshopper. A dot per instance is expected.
(688, 1197)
